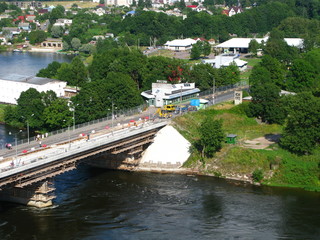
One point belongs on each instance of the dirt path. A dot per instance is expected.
(262, 142)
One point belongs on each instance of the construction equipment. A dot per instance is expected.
(169, 108)
(163, 113)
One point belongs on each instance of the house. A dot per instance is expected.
(130, 13)
(225, 60)
(12, 85)
(42, 11)
(3, 40)
(180, 44)
(52, 43)
(24, 26)
(4, 16)
(99, 11)
(97, 37)
(30, 18)
(163, 93)
(126, 3)
(62, 22)
(13, 30)
(212, 41)
(19, 18)
(232, 11)
(241, 45)
(109, 35)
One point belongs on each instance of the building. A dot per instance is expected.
(241, 45)
(180, 44)
(12, 85)
(163, 93)
(232, 11)
(55, 43)
(225, 60)
(62, 22)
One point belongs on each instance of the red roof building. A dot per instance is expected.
(192, 6)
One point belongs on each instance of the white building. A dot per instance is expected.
(62, 22)
(180, 44)
(242, 44)
(119, 2)
(225, 60)
(163, 93)
(12, 85)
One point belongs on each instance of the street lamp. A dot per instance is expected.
(213, 87)
(28, 129)
(16, 141)
(73, 110)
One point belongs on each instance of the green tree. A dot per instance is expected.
(87, 48)
(75, 44)
(57, 12)
(211, 137)
(57, 31)
(195, 51)
(267, 103)
(30, 104)
(301, 76)
(57, 115)
(50, 71)
(65, 46)
(37, 36)
(75, 73)
(302, 133)
(253, 47)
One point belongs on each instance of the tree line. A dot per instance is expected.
(285, 68)
(116, 76)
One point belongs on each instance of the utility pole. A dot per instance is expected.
(213, 89)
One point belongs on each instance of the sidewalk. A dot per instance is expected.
(70, 135)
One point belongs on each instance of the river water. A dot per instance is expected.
(104, 204)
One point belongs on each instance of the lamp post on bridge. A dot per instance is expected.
(28, 129)
(16, 143)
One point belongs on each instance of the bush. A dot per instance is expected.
(257, 175)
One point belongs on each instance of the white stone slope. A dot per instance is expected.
(169, 148)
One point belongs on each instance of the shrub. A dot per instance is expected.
(257, 175)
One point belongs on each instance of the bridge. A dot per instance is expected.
(23, 178)
(26, 178)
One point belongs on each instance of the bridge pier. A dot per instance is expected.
(35, 195)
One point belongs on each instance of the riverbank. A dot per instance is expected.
(255, 158)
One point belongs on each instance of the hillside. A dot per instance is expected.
(256, 154)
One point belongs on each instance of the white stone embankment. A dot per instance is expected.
(167, 153)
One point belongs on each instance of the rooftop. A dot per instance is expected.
(27, 79)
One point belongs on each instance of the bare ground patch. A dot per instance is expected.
(262, 142)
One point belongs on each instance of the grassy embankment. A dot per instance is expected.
(279, 167)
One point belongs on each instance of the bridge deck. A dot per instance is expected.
(59, 158)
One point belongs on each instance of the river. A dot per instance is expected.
(104, 204)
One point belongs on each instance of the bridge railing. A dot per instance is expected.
(122, 113)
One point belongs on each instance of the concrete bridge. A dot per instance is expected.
(23, 179)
